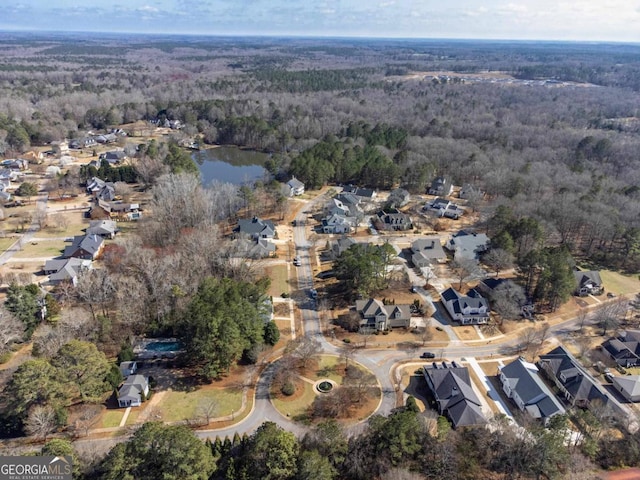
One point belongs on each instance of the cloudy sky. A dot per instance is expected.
(597, 20)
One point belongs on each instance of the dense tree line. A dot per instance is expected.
(405, 445)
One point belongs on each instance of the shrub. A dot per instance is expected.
(288, 388)
(5, 357)
(346, 340)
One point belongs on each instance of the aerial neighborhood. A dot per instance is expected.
(273, 269)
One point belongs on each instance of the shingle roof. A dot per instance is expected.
(629, 383)
(256, 226)
(583, 278)
(454, 395)
(523, 378)
(89, 243)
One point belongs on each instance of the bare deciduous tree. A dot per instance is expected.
(207, 409)
(41, 421)
(464, 269)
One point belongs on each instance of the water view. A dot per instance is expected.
(230, 164)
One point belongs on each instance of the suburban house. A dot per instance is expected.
(522, 384)
(121, 211)
(488, 285)
(296, 187)
(337, 223)
(66, 269)
(398, 198)
(625, 349)
(101, 190)
(451, 388)
(440, 187)
(576, 384)
(82, 143)
(588, 283)
(340, 245)
(130, 393)
(337, 207)
(628, 386)
(363, 194)
(378, 316)
(351, 201)
(393, 219)
(113, 157)
(7, 176)
(128, 368)
(426, 251)
(256, 248)
(468, 191)
(467, 245)
(86, 247)
(15, 164)
(256, 228)
(446, 208)
(470, 309)
(102, 228)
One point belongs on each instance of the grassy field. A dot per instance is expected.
(177, 406)
(295, 406)
(618, 283)
(279, 280)
(112, 418)
(5, 243)
(49, 249)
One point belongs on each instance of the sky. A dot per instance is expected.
(587, 20)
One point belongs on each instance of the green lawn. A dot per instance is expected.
(279, 280)
(298, 406)
(177, 406)
(618, 283)
(112, 418)
(5, 243)
(48, 249)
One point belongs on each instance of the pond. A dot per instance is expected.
(230, 164)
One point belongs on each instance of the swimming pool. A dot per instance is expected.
(163, 346)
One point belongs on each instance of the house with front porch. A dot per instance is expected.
(295, 186)
(337, 223)
(469, 309)
(133, 391)
(588, 283)
(624, 349)
(522, 383)
(427, 251)
(376, 316)
(256, 228)
(574, 382)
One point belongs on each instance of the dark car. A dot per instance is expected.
(428, 355)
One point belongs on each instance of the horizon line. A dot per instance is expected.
(311, 37)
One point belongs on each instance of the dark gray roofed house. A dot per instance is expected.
(469, 190)
(588, 283)
(65, 269)
(522, 383)
(427, 251)
(341, 245)
(375, 315)
(452, 391)
(394, 219)
(470, 309)
(441, 187)
(256, 248)
(468, 245)
(362, 193)
(576, 384)
(445, 208)
(86, 247)
(625, 349)
(488, 285)
(349, 199)
(256, 228)
(114, 156)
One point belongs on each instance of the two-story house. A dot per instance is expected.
(450, 385)
(522, 384)
(441, 187)
(574, 381)
(375, 315)
(256, 228)
(469, 309)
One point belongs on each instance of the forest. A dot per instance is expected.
(550, 132)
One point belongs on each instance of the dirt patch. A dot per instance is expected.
(466, 333)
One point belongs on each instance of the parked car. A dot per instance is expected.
(296, 261)
(428, 355)
(314, 293)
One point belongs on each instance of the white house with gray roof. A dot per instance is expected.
(131, 392)
(628, 386)
(522, 383)
(296, 187)
(469, 309)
